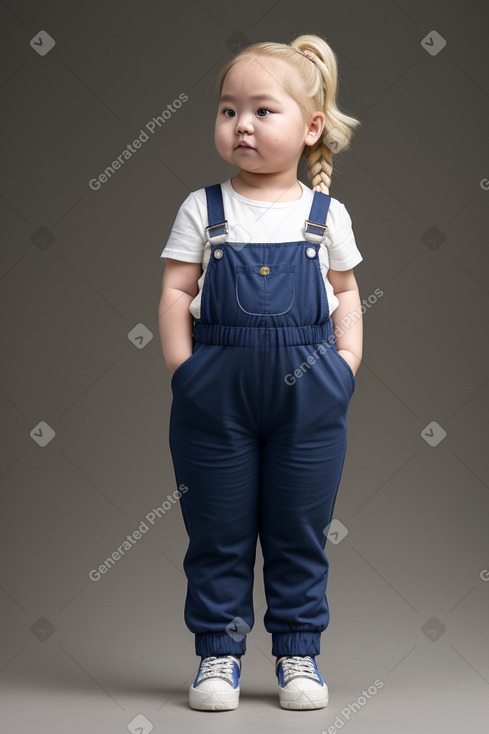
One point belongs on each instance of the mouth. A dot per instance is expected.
(242, 145)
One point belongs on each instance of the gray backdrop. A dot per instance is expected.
(85, 393)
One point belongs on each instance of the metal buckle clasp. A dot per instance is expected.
(315, 232)
(221, 230)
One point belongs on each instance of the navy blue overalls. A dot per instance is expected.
(258, 436)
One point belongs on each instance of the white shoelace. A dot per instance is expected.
(299, 667)
(217, 667)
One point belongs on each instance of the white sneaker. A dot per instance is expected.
(216, 685)
(300, 685)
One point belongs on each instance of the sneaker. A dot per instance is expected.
(300, 685)
(216, 685)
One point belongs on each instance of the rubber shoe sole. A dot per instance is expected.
(296, 697)
(212, 700)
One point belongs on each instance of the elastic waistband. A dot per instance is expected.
(282, 336)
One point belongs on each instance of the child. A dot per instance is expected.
(260, 387)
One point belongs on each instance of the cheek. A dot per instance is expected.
(280, 137)
(219, 135)
(279, 143)
(286, 140)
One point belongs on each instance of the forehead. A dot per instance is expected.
(256, 74)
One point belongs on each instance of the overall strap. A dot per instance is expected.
(218, 228)
(316, 228)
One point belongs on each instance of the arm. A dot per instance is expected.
(347, 317)
(175, 322)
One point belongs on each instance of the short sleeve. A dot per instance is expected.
(187, 239)
(343, 251)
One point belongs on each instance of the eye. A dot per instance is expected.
(226, 109)
(265, 109)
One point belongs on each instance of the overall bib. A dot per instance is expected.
(258, 437)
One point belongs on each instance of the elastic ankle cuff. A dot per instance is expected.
(296, 643)
(218, 644)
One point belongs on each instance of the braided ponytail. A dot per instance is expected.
(338, 126)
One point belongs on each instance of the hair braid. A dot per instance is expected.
(319, 161)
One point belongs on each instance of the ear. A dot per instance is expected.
(315, 128)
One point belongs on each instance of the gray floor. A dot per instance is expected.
(428, 692)
(144, 666)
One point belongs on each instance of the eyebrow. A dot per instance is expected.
(230, 98)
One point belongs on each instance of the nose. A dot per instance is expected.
(243, 123)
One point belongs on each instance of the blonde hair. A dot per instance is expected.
(314, 88)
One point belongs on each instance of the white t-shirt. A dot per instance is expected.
(261, 221)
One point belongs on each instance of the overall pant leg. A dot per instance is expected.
(302, 463)
(216, 455)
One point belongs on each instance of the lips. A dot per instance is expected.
(242, 144)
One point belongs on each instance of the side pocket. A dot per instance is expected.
(346, 367)
(183, 366)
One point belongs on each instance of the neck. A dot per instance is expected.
(269, 187)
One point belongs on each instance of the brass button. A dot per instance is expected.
(264, 270)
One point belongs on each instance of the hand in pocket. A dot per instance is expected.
(348, 357)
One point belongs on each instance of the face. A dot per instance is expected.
(255, 111)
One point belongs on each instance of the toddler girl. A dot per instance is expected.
(258, 278)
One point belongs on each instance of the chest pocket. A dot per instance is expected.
(265, 290)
